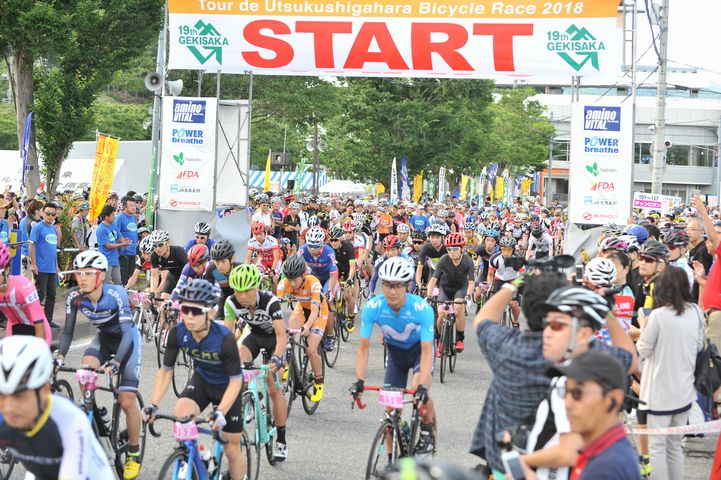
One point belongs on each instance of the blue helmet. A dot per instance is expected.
(637, 231)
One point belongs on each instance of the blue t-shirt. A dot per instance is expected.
(192, 242)
(4, 231)
(108, 234)
(619, 460)
(127, 228)
(45, 239)
(25, 234)
(322, 266)
(412, 324)
(419, 222)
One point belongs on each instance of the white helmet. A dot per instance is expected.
(91, 259)
(403, 228)
(315, 236)
(396, 269)
(25, 364)
(313, 221)
(601, 272)
(202, 228)
(145, 245)
(159, 236)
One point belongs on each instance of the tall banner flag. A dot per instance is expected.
(472, 188)
(482, 185)
(106, 150)
(187, 162)
(442, 184)
(405, 188)
(601, 162)
(535, 39)
(299, 175)
(266, 178)
(417, 187)
(394, 182)
(464, 186)
(26, 146)
(432, 185)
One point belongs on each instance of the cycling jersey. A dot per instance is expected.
(21, 306)
(267, 310)
(173, 263)
(430, 256)
(322, 266)
(411, 325)
(542, 247)
(308, 294)
(186, 276)
(360, 240)
(213, 275)
(343, 256)
(500, 270)
(623, 310)
(485, 257)
(265, 250)
(454, 277)
(209, 243)
(215, 357)
(61, 445)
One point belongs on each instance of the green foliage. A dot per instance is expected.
(121, 120)
(8, 128)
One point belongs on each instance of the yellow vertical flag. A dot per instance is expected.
(380, 188)
(499, 187)
(266, 183)
(417, 187)
(106, 151)
(464, 186)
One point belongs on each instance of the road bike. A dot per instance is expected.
(7, 463)
(111, 431)
(259, 424)
(144, 314)
(163, 327)
(191, 460)
(340, 310)
(395, 438)
(298, 380)
(330, 358)
(447, 341)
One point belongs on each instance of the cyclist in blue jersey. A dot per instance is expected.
(217, 378)
(321, 260)
(406, 321)
(201, 237)
(223, 255)
(106, 307)
(391, 248)
(198, 257)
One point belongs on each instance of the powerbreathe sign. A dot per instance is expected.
(396, 38)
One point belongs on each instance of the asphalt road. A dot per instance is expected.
(335, 441)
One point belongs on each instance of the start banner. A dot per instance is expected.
(187, 163)
(510, 40)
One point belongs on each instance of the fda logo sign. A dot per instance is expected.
(602, 119)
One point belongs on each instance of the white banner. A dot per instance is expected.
(601, 163)
(652, 201)
(442, 184)
(525, 39)
(394, 182)
(187, 164)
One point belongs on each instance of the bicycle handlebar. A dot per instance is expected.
(184, 419)
(376, 388)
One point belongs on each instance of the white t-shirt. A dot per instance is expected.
(261, 217)
(551, 422)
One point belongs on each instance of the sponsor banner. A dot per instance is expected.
(600, 166)
(187, 164)
(103, 171)
(398, 38)
(651, 201)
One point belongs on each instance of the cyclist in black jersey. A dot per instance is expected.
(485, 251)
(218, 377)
(433, 250)
(167, 264)
(47, 433)
(345, 260)
(260, 311)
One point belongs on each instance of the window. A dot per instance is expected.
(677, 155)
(643, 154)
(561, 150)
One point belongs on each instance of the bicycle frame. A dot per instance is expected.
(259, 374)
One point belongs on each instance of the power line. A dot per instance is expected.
(650, 25)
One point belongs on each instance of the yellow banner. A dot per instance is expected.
(464, 186)
(103, 171)
(380, 188)
(266, 183)
(499, 187)
(417, 187)
(526, 186)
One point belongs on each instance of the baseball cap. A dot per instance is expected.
(595, 366)
(84, 206)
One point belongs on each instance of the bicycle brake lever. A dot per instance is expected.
(151, 427)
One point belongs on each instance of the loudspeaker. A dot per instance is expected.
(153, 81)
(174, 88)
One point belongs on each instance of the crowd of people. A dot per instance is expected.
(616, 331)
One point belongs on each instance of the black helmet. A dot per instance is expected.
(222, 250)
(294, 266)
(200, 291)
(536, 229)
(335, 232)
(580, 303)
(655, 249)
(677, 238)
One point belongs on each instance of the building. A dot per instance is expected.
(693, 124)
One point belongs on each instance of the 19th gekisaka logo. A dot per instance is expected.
(204, 41)
(576, 46)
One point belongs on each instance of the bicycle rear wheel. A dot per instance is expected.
(182, 371)
(161, 339)
(119, 436)
(443, 344)
(378, 457)
(330, 358)
(270, 425)
(250, 425)
(342, 317)
(290, 385)
(176, 466)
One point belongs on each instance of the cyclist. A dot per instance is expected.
(19, 302)
(503, 267)
(419, 241)
(391, 248)
(202, 236)
(198, 257)
(217, 378)
(218, 272)
(265, 248)
(321, 260)
(49, 434)
(345, 259)
(484, 253)
(403, 231)
(432, 251)
(677, 243)
(407, 325)
(454, 276)
(310, 314)
(142, 262)
(540, 243)
(359, 241)
(106, 307)
(261, 311)
(167, 264)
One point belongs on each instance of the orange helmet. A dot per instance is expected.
(455, 240)
(258, 227)
(391, 241)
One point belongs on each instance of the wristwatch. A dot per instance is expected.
(510, 287)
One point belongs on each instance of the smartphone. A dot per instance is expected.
(512, 465)
(646, 311)
(579, 273)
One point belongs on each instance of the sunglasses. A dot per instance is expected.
(453, 249)
(672, 247)
(647, 259)
(334, 240)
(85, 273)
(201, 237)
(50, 214)
(314, 246)
(393, 286)
(156, 245)
(193, 310)
(555, 325)
(419, 242)
(576, 393)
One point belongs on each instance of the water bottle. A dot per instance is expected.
(204, 454)
(406, 431)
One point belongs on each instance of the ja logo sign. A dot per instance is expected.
(576, 46)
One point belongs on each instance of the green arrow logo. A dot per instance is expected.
(205, 42)
(180, 160)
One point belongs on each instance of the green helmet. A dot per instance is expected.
(244, 277)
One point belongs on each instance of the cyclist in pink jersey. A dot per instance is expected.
(20, 303)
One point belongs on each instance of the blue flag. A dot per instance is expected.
(26, 145)
(405, 188)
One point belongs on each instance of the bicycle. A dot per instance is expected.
(395, 437)
(186, 461)
(108, 431)
(330, 358)
(161, 332)
(340, 309)
(258, 414)
(7, 463)
(447, 342)
(144, 314)
(298, 380)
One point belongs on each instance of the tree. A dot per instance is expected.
(79, 45)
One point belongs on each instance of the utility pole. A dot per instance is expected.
(659, 145)
(315, 156)
(549, 185)
(155, 135)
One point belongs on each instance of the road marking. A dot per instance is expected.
(75, 346)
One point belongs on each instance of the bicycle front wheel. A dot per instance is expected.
(7, 464)
(176, 466)
(250, 426)
(384, 443)
(307, 381)
(330, 358)
(182, 371)
(451, 347)
(443, 344)
(119, 438)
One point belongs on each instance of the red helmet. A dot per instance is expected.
(455, 240)
(258, 227)
(391, 241)
(198, 254)
(349, 226)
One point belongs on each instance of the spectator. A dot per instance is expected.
(710, 295)
(110, 243)
(32, 216)
(4, 225)
(112, 200)
(80, 227)
(43, 254)
(127, 229)
(671, 337)
(698, 251)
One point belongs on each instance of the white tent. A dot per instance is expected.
(343, 186)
